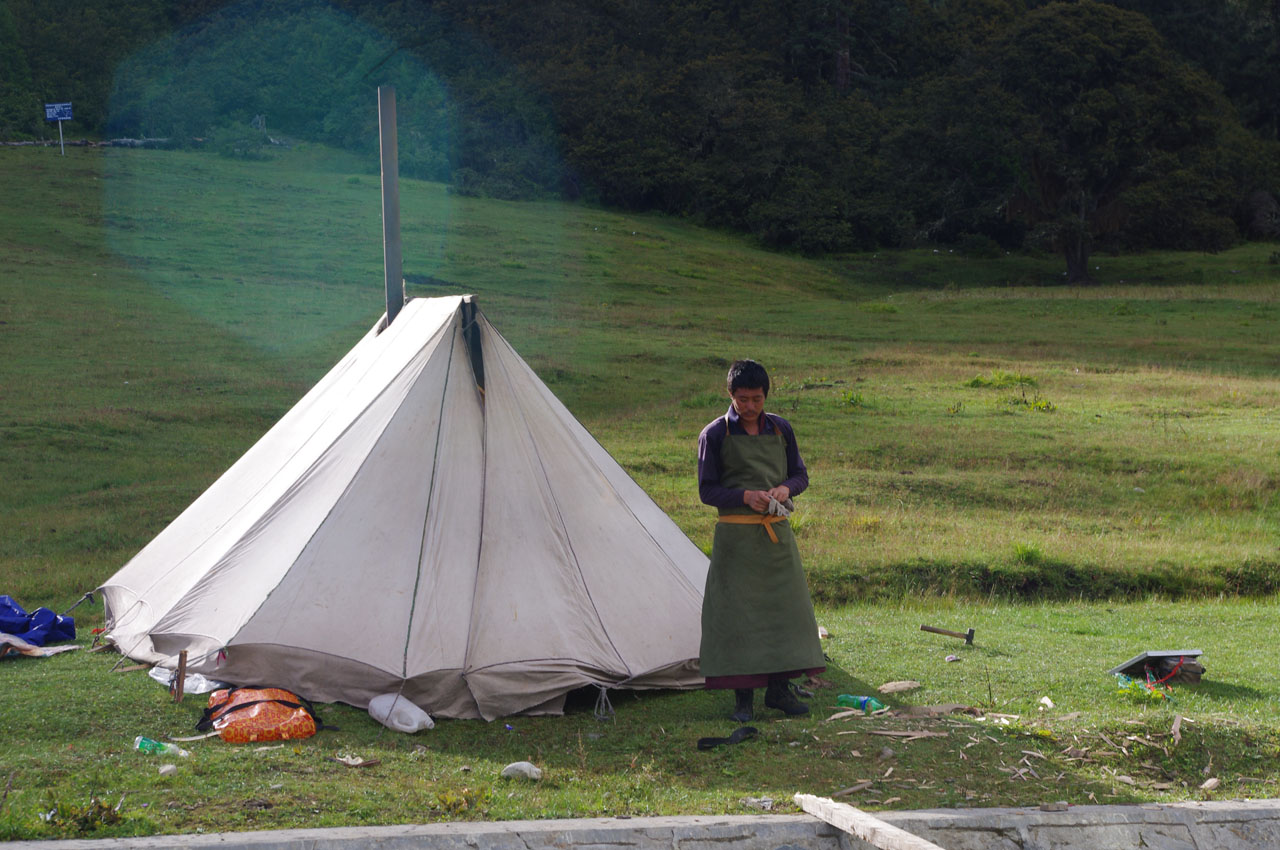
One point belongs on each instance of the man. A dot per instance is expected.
(758, 628)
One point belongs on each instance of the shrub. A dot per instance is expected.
(979, 245)
(1000, 379)
(240, 141)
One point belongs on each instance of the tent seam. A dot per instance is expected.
(484, 483)
(426, 516)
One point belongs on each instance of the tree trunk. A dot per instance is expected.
(842, 51)
(1077, 254)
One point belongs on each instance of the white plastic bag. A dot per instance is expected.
(194, 683)
(396, 712)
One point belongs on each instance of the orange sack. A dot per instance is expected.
(244, 715)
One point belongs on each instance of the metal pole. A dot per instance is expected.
(392, 270)
(60, 144)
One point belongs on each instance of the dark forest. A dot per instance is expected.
(814, 125)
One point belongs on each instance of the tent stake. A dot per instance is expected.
(391, 264)
(181, 682)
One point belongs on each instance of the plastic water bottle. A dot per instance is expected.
(147, 745)
(867, 704)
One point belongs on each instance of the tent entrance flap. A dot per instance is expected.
(471, 333)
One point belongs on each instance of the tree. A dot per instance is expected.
(1104, 107)
(18, 105)
(1236, 42)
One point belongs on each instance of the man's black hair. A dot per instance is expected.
(747, 374)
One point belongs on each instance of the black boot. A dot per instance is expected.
(778, 695)
(743, 711)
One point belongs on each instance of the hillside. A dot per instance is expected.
(1079, 473)
(817, 125)
(972, 428)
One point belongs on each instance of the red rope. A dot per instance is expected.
(1172, 672)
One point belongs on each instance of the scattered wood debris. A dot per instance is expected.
(355, 761)
(854, 789)
(212, 734)
(1113, 744)
(134, 668)
(938, 710)
(909, 735)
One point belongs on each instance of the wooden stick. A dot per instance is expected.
(182, 676)
(8, 786)
(212, 734)
(852, 789)
(856, 822)
(132, 669)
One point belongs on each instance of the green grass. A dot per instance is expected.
(974, 431)
(77, 725)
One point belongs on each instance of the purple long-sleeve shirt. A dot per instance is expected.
(712, 439)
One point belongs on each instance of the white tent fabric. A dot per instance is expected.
(420, 525)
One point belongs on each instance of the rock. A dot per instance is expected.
(898, 687)
(522, 770)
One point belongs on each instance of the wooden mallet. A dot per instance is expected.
(968, 636)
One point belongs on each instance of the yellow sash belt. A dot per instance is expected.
(767, 520)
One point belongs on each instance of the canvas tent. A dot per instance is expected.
(429, 519)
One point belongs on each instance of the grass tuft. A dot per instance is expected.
(999, 379)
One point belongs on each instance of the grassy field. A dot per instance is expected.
(1052, 465)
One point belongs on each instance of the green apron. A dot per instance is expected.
(757, 616)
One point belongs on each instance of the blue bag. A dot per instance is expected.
(39, 627)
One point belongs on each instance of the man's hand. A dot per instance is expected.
(782, 492)
(757, 500)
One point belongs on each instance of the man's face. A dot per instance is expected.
(748, 402)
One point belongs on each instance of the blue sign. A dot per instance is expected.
(57, 112)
